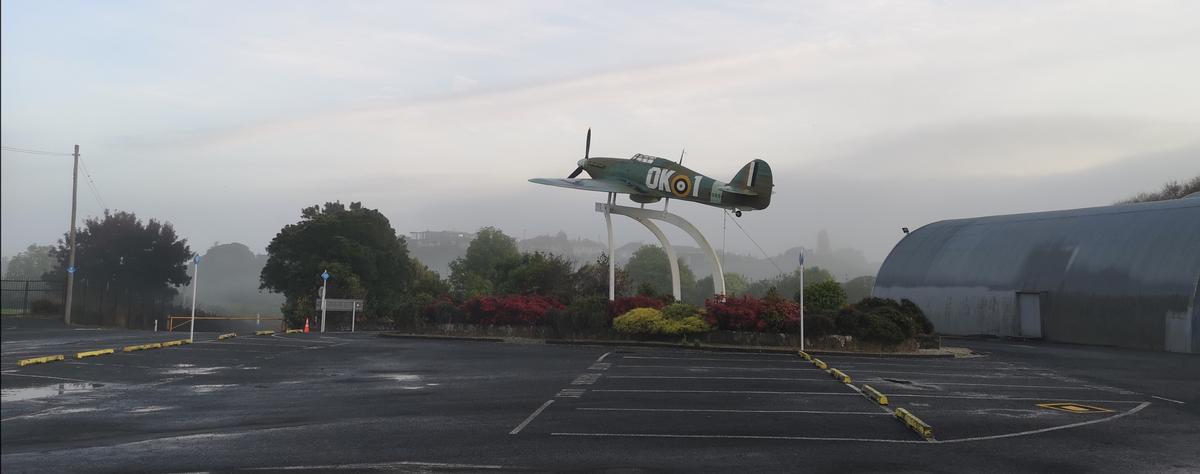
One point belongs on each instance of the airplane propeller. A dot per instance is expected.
(586, 150)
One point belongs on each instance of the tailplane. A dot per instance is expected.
(755, 177)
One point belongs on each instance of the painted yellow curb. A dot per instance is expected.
(876, 395)
(839, 375)
(39, 360)
(915, 423)
(93, 353)
(226, 336)
(267, 332)
(178, 342)
(142, 347)
(805, 355)
(294, 331)
(820, 364)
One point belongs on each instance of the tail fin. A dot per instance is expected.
(756, 176)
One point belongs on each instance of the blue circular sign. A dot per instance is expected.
(325, 275)
(196, 260)
(71, 269)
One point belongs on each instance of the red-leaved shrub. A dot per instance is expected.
(735, 313)
(519, 310)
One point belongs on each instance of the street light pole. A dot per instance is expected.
(195, 283)
(324, 286)
(71, 258)
(801, 300)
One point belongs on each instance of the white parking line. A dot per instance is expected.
(531, 417)
(944, 374)
(601, 359)
(796, 361)
(763, 392)
(701, 410)
(1168, 399)
(711, 367)
(868, 440)
(1055, 387)
(786, 438)
(1003, 398)
(689, 377)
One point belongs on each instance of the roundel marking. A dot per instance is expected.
(681, 185)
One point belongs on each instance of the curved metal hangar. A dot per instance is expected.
(1124, 275)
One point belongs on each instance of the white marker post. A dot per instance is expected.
(195, 283)
(353, 307)
(801, 300)
(324, 285)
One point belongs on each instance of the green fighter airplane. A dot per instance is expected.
(648, 179)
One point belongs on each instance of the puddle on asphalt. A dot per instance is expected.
(33, 393)
(189, 369)
(210, 388)
(149, 409)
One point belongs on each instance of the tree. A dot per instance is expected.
(735, 284)
(230, 282)
(359, 249)
(1170, 190)
(649, 266)
(859, 288)
(540, 274)
(31, 264)
(118, 251)
(489, 256)
(826, 297)
(592, 279)
(789, 284)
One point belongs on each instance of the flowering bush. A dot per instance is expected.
(650, 321)
(625, 304)
(526, 310)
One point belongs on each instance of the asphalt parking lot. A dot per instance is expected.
(360, 402)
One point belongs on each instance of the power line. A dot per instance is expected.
(92, 184)
(32, 151)
(760, 249)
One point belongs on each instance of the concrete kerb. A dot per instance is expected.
(226, 336)
(178, 342)
(266, 332)
(293, 331)
(876, 395)
(839, 375)
(142, 347)
(915, 423)
(95, 353)
(40, 360)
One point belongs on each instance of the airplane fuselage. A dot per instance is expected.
(658, 178)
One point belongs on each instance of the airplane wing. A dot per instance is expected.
(599, 185)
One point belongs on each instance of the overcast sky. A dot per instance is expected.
(227, 118)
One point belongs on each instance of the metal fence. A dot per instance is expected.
(95, 303)
(18, 296)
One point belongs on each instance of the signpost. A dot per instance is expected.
(324, 286)
(338, 304)
(195, 283)
(801, 300)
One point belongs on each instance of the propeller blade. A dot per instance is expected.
(575, 173)
(588, 148)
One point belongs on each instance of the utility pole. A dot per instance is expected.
(71, 258)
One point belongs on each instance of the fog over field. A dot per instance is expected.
(227, 118)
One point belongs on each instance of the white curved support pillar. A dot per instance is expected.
(662, 239)
(677, 221)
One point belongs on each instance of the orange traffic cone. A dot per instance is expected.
(306, 325)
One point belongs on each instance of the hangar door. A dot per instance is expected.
(1029, 314)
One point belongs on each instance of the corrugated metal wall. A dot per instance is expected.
(1117, 275)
